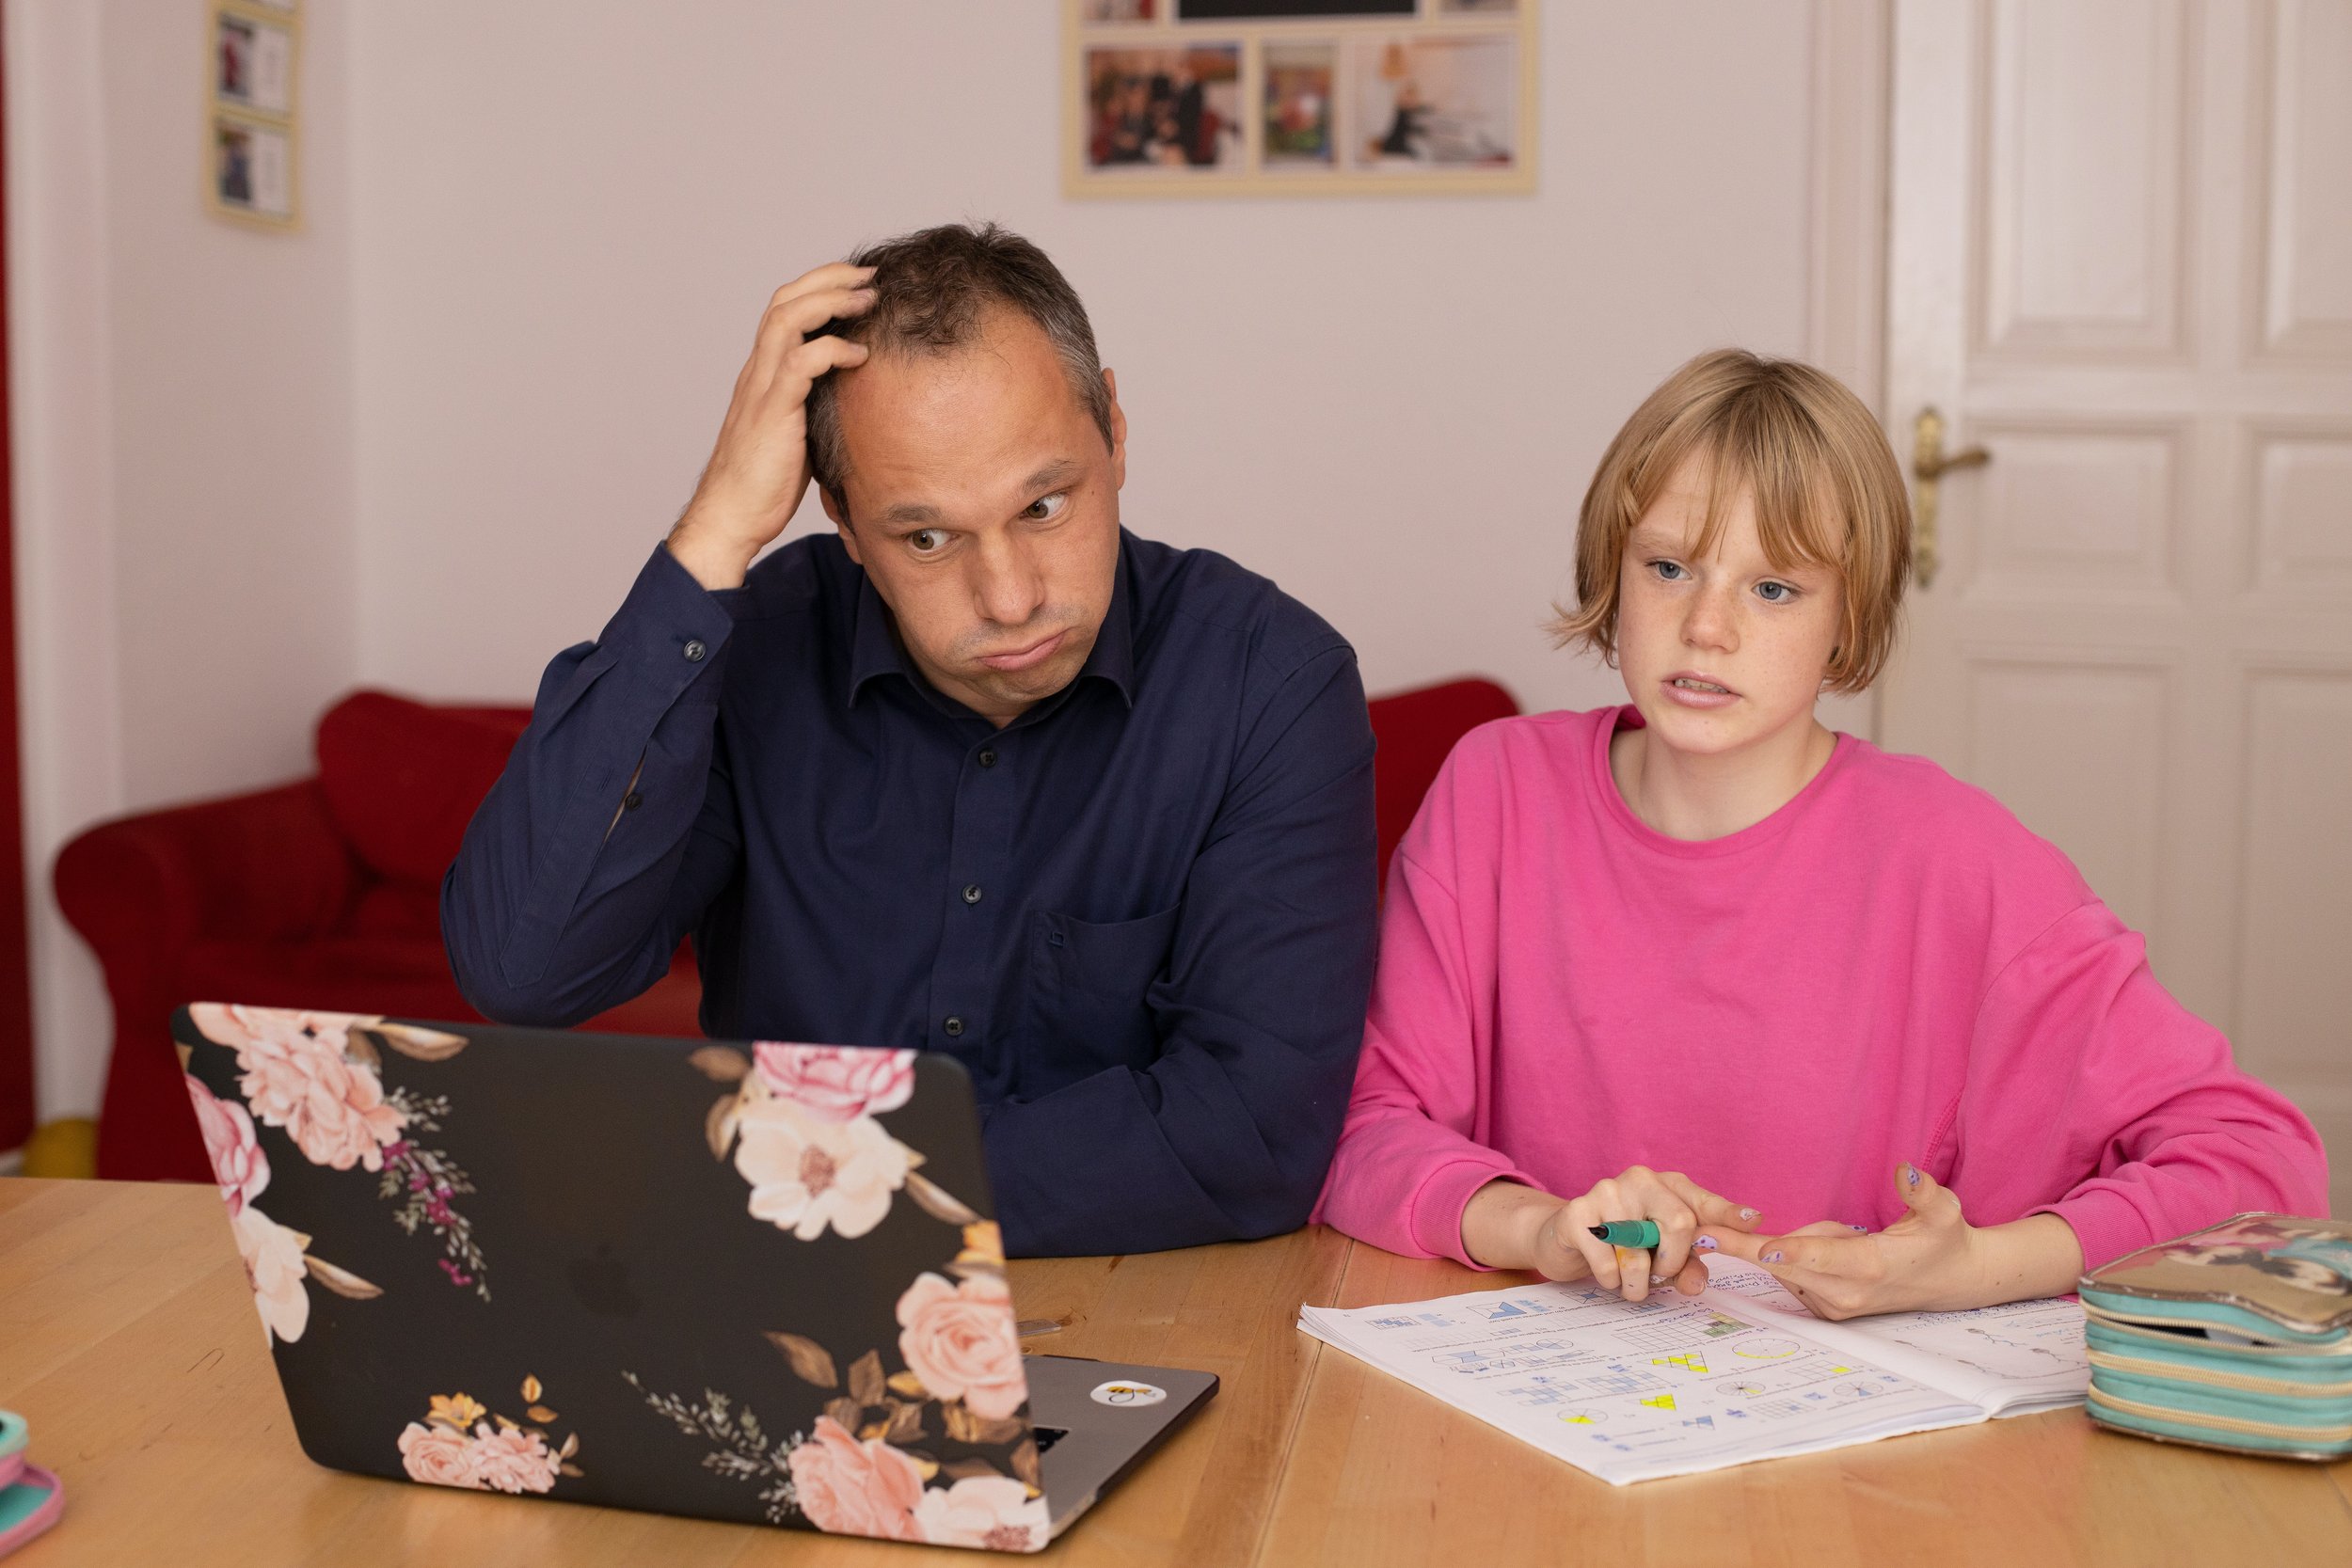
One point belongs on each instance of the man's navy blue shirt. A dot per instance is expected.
(1141, 914)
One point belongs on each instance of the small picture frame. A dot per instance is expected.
(1300, 101)
(252, 133)
(1151, 111)
(250, 175)
(1298, 97)
(1436, 102)
(252, 62)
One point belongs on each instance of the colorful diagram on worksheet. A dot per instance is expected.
(1627, 1390)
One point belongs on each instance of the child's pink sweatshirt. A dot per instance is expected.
(1888, 967)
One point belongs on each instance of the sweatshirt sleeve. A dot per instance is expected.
(2082, 1062)
(1408, 1160)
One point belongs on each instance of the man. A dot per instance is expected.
(980, 772)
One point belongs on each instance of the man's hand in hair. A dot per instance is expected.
(759, 469)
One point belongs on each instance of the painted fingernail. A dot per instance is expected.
(1704, 1244)
(1864, 1228)
(1749, 1214)
(1910, 1174)
(1775, 1257)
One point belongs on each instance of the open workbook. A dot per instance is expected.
(1679, 1384)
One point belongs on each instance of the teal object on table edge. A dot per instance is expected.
(2236, 1337)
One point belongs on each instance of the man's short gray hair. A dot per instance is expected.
(932, 291)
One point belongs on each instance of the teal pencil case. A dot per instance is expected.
(2239, 1337)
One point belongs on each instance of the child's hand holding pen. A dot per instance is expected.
(1601, 1236)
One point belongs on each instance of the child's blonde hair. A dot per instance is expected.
(1828, 492)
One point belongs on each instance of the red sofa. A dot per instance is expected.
(325, 893)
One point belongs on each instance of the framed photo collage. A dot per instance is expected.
(1297, 97)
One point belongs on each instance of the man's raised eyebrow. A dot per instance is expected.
(1059, 472)
(911, 512)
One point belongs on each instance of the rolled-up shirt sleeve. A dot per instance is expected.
(614, 824)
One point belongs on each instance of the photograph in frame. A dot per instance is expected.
(1176, 108)
(1112, 12)
(253, 63)
(1301, 81)
(251, 176)
(1426, 103)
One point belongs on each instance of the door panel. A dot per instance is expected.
(2305, 85)
(2077, 508)
(2086, 113)
(2121, 260)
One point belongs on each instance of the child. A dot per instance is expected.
(1919, 1060)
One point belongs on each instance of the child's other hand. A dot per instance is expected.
(1512, 1226)
(1931, 1259)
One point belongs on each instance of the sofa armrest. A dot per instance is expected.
(268, 865)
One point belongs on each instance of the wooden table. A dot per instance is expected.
(127, 1336)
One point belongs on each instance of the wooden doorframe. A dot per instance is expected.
(1851, 78)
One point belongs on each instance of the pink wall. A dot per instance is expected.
(182, 394)
(565, 236)
(426, 442)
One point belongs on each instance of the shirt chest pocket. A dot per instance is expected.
(1087, 1009)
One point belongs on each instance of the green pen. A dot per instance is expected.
(1629, 1233)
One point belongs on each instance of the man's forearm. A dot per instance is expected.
(563, 898)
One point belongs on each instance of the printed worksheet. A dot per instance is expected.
(1675, 1384)
(2013, 1359)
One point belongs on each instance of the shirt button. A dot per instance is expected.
(631, 800)
(972, 893)
(988, 759)
(953, 1025)
(694, 651)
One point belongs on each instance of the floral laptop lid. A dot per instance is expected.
(2269, 1275)
(746, 1283)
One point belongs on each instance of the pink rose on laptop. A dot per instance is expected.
(439, 1456)
(961, 1340)
(238, 1164)
(836, 1082)
(297, 1076)
(508, 1457)
(994, 1512)
(512, 1460)
(848, 1487)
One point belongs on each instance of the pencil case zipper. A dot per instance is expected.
(2172, 1373)
(2221, 1423)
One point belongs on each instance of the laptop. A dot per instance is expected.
(755, 1282)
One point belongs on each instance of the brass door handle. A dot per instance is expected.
(1929, 463)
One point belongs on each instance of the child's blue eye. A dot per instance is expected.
(1775, 592)
(1667, 571)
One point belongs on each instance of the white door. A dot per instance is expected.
(2121, 261)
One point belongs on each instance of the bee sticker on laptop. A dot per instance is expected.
(1128, 1395)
